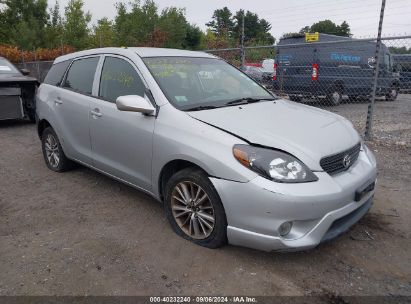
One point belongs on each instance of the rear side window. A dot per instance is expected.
(119, 78)
(56, 73)
(80, 77)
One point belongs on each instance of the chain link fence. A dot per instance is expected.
(337, 74)
(38, 69)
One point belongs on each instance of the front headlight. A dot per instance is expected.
(274, 165)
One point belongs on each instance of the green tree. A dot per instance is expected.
(173, 22)
(54, 28)
(328, 27)
(76, 25)
(344, 29)
(193, 37)
(122, 24)
(140, 24)
(399, 50)
(103, 33)
(134, 24)
(23, 22)
(256, 30)
(222, 23)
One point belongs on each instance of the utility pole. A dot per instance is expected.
(369, 122)
(242, 43)
(101, 41)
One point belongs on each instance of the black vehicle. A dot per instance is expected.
(402, 63)
(331, 70)
(17, 92)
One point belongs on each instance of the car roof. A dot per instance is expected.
(140, 51)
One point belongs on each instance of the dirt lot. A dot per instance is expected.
(81, 233)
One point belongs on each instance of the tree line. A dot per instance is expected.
(31, 24)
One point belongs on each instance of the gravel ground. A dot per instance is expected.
(391, 124)
(81, 233)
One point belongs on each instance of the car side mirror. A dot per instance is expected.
(25, 72)
(134, 103)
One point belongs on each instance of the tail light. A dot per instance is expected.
(275, 72)
(314, 75)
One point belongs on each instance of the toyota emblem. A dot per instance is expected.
(347, 161)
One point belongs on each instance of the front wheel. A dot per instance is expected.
(194, 209)
(334, 97)
(392, 94)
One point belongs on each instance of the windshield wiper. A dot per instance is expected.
(241, 101)
(200, 108)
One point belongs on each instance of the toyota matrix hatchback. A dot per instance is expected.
(230, 162)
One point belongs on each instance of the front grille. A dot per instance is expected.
(338, 162)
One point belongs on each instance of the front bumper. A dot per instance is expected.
(319, 210)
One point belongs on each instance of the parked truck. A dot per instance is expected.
(332, 66)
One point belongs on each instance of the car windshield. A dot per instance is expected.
(203, 83)
(7, 68)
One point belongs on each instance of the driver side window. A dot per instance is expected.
(119, 78)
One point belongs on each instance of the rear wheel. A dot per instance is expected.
(392, 94)
(334, 97)
(194, 209)
(53, 153)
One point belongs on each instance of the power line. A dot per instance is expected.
(290, 17)
(311, 6)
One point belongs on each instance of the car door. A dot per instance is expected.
(121, 141)
(72, 106)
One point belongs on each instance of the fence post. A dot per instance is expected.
(22, 59)
(370, 113)
(37, 64)
(242, 49)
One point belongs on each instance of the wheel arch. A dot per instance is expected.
(170, 169)
(41, 126)
(396, 83)
(339, 84)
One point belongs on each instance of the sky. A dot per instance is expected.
(286, 16)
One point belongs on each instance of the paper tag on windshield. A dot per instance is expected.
(180, 98)
(5, 68)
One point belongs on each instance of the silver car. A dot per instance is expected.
(229, 161)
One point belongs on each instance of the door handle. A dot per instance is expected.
(96, 113)
(58, 101)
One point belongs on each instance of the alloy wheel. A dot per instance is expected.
(393, 93)
(192, 210)
(52, 151)
(336, 98)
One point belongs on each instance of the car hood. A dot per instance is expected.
(306, 132)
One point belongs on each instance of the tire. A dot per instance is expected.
(192, 222)
(392, 94)
(334, 97)
(53, 153)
